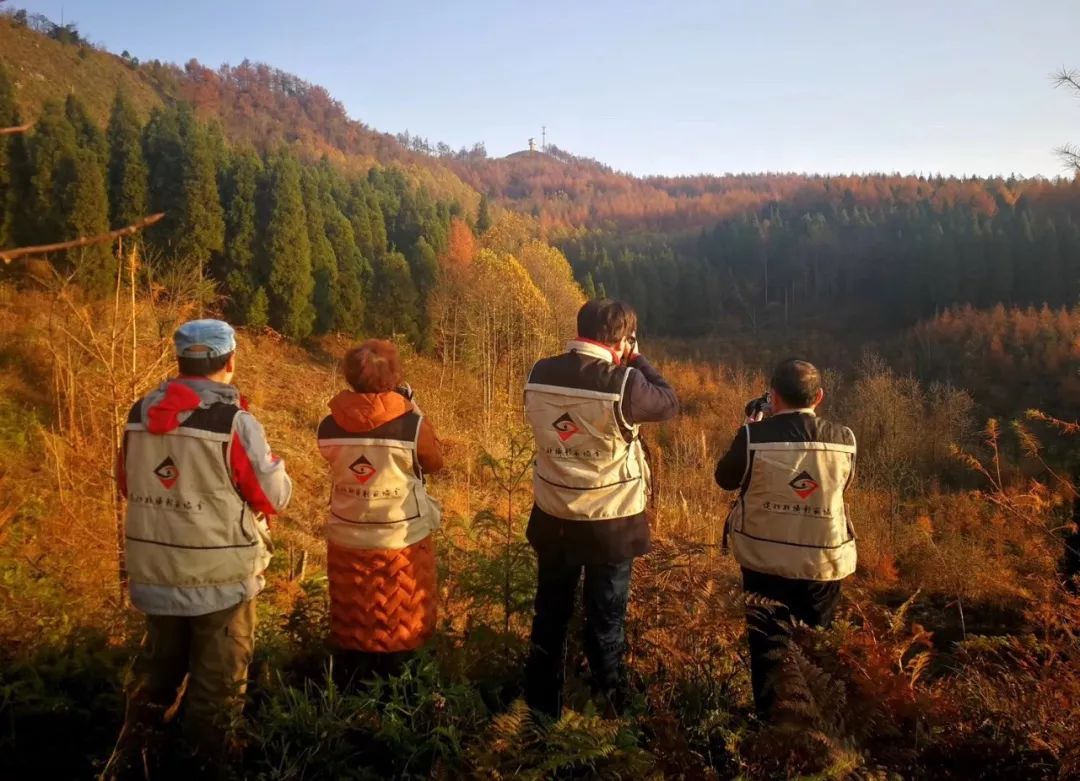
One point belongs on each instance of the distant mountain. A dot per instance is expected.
(253, 102)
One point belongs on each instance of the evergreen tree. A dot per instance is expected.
(589, 286)
(324, 268)
(236, 267)
(128, 175)
(82, 203)
(424, 268)
(378, 227)
(67, 196)
(286, 254)
(164, 155)
(41, 220)
(13, 163)
(183, 184)
(87, 133)
(483, 217)
(202, 222)
(353, 270)
(356, 209)
(258, 312)
(393, 308)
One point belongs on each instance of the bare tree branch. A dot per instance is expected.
(1070, 79)
(9, 255)
(1070, 155)
(1067, 77)
(10, 131)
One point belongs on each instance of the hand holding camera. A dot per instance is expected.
(758, 409)
(406, 390)
(633, 349)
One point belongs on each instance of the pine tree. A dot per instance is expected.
(52, 142)
(323, 263)
(393, 308)
(202, 222)
(258, 312)
(87, 133)
(378, 227)
(236, 266)
(163, 152)
(589, 287)
(483, 217)
(67, 196)
(356, 209)
(128, 175)
(286, 255)
(13, 163)
(183, 184)
(83, 208)
(353, 270)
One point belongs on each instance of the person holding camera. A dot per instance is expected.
(590, 484)
(380, 556)
(789, 527)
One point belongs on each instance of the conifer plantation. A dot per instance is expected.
(942, 310)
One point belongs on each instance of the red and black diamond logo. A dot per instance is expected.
(566, 427)
(167, 473)
(804, 484)
(362, 470)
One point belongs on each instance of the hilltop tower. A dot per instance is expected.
(532, 144)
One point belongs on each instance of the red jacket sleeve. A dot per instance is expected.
(259, 475)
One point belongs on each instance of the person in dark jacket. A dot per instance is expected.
(789, 528)
(591, 484)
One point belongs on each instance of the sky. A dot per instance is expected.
(662, 87)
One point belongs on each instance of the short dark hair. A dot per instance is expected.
(202, 367)
(797, 382)
(606, 320)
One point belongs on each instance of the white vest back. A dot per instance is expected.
(791, 519)
(186, 524)
(590, 464)
(377, 499)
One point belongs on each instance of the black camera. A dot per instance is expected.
(761, 405)
(404, 389)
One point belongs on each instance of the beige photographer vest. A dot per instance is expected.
(791, 519)
(378, 499)
(590, 464)
(186, 525)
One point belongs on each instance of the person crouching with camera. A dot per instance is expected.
(789, 529)
(380, 555)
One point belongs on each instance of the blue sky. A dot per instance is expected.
(676, 87)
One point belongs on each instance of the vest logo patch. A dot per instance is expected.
(167, 472)
(565, 427)
(362, 470)
(803, 484)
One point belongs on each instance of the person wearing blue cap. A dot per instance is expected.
(200, 482)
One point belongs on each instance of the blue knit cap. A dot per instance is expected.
(204, 339)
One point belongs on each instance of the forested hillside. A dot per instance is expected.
(929, 303)
(712, 254)
(251, 102)
(306, 220)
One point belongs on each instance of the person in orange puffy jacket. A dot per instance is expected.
(380, 555)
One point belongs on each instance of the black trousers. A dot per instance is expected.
(607, 588)
(769, 627)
